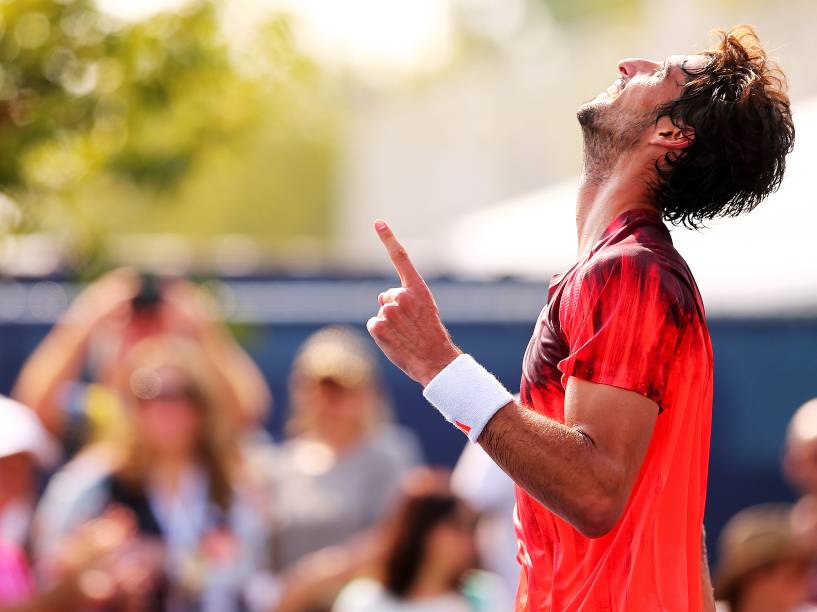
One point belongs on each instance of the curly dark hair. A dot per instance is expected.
(740, 113)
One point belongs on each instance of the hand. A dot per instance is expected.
(407, 328)
(94, 540)
(105, 560)
(188, 309)
(106, 301)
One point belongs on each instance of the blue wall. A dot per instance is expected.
(764, 369)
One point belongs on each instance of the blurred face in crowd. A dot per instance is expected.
(169, 421)
(779, 586)
(451, 547)
(621, 117)
(339, 406)
(800, 465)
(16, 478)
(800, 459)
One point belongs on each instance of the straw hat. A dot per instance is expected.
(753, 538)
(337, 354)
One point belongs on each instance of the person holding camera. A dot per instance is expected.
(67, 379)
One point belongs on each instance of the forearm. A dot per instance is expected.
(560, 466)
(56, 360)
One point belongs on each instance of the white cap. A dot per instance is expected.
(21, 432)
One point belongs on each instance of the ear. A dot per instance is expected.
(669, 136)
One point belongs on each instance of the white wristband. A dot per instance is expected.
(467, 395)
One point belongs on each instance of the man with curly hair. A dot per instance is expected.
(609, 440)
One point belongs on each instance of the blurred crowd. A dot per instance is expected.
(136, 475)
(768, 553)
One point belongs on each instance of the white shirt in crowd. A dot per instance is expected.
(490, 491)
(367, 595)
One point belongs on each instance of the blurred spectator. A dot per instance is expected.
(176, 469)
(762, 567)
(341, 468)
(88, 567)
(429, 551)
(800, 467)
(24, 447)
(68, 378)
(100, 566)
(482, 483)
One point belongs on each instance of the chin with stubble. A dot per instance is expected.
(599, 149)
(606, 138)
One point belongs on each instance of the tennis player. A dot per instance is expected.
(609, 443)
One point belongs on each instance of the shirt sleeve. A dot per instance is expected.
(623, 323)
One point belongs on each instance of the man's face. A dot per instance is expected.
(627, 108)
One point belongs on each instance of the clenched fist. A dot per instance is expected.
(407, 328)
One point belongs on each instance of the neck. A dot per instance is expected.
(603, 196)
(431, 581)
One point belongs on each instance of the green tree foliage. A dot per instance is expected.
(151, 126)
(570, 10)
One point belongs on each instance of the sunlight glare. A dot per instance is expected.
(388, 37)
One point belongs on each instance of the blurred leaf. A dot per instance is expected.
(150, 126)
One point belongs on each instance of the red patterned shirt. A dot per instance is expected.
(628, 315)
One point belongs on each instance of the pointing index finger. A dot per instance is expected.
(409, 277)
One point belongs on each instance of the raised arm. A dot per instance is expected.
(60, 357)
(583, 469)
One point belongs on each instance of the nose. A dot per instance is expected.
(632, 66)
